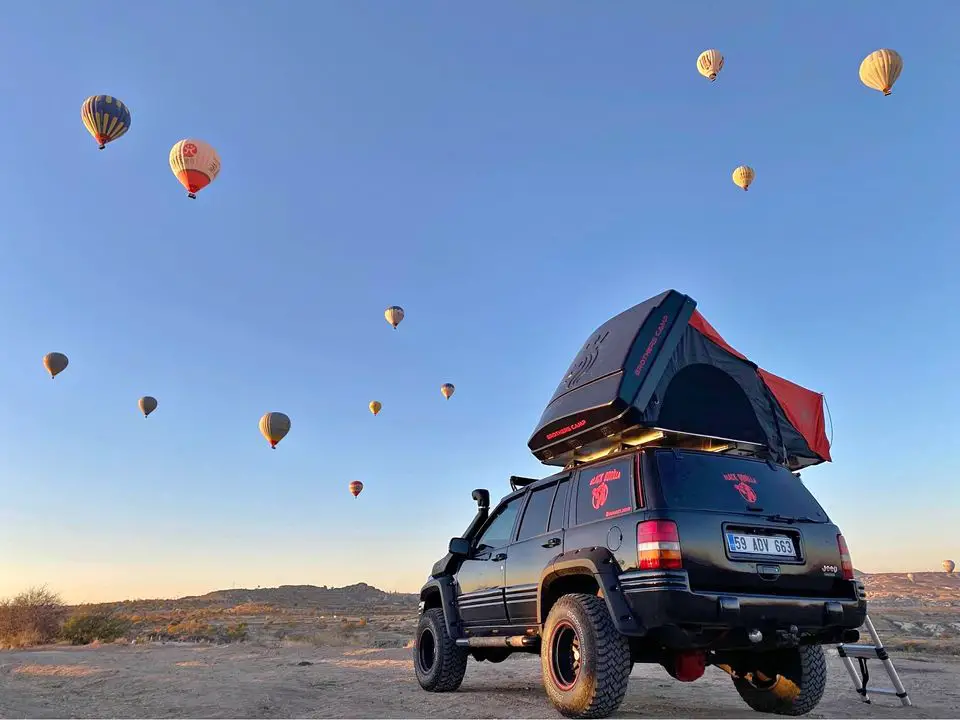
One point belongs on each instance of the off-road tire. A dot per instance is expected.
(800, 679)
(440, 665)
(600, 684)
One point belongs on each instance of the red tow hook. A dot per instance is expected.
(689, 665)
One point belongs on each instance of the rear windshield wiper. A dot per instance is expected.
(787, 519)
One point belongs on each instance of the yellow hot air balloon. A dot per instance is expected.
(447, 390)
(880, 70)
(393, 314)
(147, 404)
(710, 63)
(743, 176)
(105, 117)
(355, 487)
(195, 163)
(375, 407)
(948, 566)
(55, 363)
(274, 426)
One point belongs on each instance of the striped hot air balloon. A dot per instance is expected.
(105, 118)
(355, 487)
(274, 426)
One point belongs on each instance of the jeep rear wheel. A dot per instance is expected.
(785, 682)
(440, 665)
(585, 661)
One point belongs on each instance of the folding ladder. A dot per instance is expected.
(868, 652)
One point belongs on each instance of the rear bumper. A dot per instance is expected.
(677, 617)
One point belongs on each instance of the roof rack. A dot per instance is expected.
(660, 437)
(517, 482)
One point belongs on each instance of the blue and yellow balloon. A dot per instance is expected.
(105, 117)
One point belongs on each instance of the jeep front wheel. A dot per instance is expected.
(440, 665)
(585, 661)
(785, 682)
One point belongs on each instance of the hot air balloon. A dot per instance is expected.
(147, 404)
(948, 566)
(393, 314)
(195, 163)
(710, 63)
(743, 176)
(355, 487)
(55, 363)
(880, 70)
(447, 390)
(105, 117)
(375, 407)
(910, 577)
(274, 426)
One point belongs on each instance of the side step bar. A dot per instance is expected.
(876, 651)
(512, 641)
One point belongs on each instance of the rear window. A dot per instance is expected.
(700, 481)
(603, 491)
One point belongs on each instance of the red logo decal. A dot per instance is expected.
(742, 485)
(189, 149)
(600, 494)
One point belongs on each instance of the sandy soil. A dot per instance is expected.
(249, 681)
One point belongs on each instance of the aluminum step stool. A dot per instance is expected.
(867, 652)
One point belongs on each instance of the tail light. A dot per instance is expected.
(658, 545)
(846, 564)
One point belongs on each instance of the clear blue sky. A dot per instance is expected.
(512, 175)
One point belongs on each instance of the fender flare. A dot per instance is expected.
(599, 563)
(451, 616)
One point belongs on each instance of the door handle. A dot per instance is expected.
(499, 556)
(552, 542)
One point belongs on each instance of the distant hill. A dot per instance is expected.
(353, 599)
(888, 589)
(929, 589)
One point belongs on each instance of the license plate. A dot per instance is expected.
(767, 545)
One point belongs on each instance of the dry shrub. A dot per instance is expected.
(31, 618)
(88, 625)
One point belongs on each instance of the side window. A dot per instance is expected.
(535, 516)
(500, 530)
(603, 491)
(559, 514)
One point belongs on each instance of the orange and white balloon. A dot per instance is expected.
(195, 163)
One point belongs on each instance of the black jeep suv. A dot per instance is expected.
(677, 532)
(660, 555)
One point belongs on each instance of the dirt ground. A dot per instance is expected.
(250, 681)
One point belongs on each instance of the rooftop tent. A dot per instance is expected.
(660, 366)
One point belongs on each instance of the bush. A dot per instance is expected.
(31, 618)
(87, 625)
